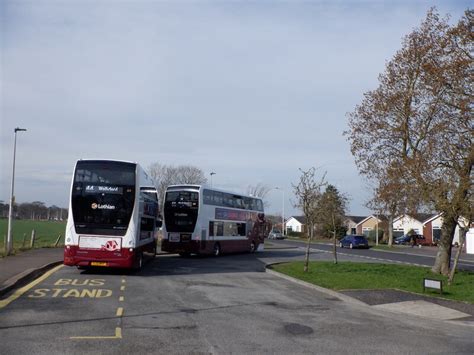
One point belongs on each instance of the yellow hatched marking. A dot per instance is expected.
(121, 298)
(118, 335)
(119, 312)
(26, 288)
(124, 281)
(122, 288)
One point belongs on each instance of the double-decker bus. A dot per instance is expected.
(202, 220)
(113, 215)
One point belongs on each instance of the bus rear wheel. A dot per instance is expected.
(139, 264)
(217, 250)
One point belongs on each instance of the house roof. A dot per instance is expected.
(301, 219)
(356, 219)
(378, 217)
(420, 217)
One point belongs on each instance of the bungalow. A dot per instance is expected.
(295, 224)
(416, 222)
(432, 228)
(368, 224)
(350, 222)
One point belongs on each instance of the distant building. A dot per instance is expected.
(369, 224)
(426, 224)
(351, 222)
(296, 224)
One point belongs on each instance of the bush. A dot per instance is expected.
(296, 234)
(371, 236)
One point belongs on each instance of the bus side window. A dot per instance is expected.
(220, 229)
(211, 228)
(241, 229)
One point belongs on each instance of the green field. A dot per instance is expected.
(356, 276)
(46, 233)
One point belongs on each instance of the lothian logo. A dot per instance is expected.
(95, 206)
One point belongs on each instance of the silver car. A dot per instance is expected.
(275, 234)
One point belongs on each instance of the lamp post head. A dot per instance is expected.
(213, 173)
(17, 129)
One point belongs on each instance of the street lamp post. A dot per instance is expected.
(282, 210)
(9, 245)
(212, 173)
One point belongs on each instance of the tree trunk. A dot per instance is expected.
(308, 246)
(443, 257)
(390, 230)
(334, 250)
(462, 238)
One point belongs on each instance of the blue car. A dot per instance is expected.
(354, 241)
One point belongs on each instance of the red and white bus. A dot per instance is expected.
(203, 220)
(113, 214)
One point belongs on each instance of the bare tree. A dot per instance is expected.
(259, 190)
(308, 193)
(413, 134)
(166, 175)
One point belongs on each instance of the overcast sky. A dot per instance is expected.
(250, 90)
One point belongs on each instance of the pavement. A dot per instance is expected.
(19, 270)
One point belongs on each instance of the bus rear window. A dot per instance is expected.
(109, 173)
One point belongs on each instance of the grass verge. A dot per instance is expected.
(357, 276)
(46, 233)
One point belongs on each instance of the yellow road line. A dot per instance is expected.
(26, 288)
(119, 312)
(122, 288)
(121, 298)
(123, 281)
(118, 335)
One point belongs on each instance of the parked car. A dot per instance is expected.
(408, 239)
(354, 241)
(275, 234)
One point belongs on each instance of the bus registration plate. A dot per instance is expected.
(98, 263)
(174, 237)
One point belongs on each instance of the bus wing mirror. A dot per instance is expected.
(159, 223)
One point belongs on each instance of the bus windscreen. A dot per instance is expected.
(103, 196)
(181, 211)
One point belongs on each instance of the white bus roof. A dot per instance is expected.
(199, 187)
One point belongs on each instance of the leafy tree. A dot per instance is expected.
(308, 193)
(412, 136)
(331, 210)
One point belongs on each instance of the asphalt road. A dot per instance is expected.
(413, 256)
(211, 306)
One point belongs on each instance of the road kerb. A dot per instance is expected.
(332, 293)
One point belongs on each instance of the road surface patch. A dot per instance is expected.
(18, 293)
(423, 309)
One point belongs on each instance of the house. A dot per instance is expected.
(416, 222)
(432, 228)
(350, 222)
(296, 224)
(368, 224)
